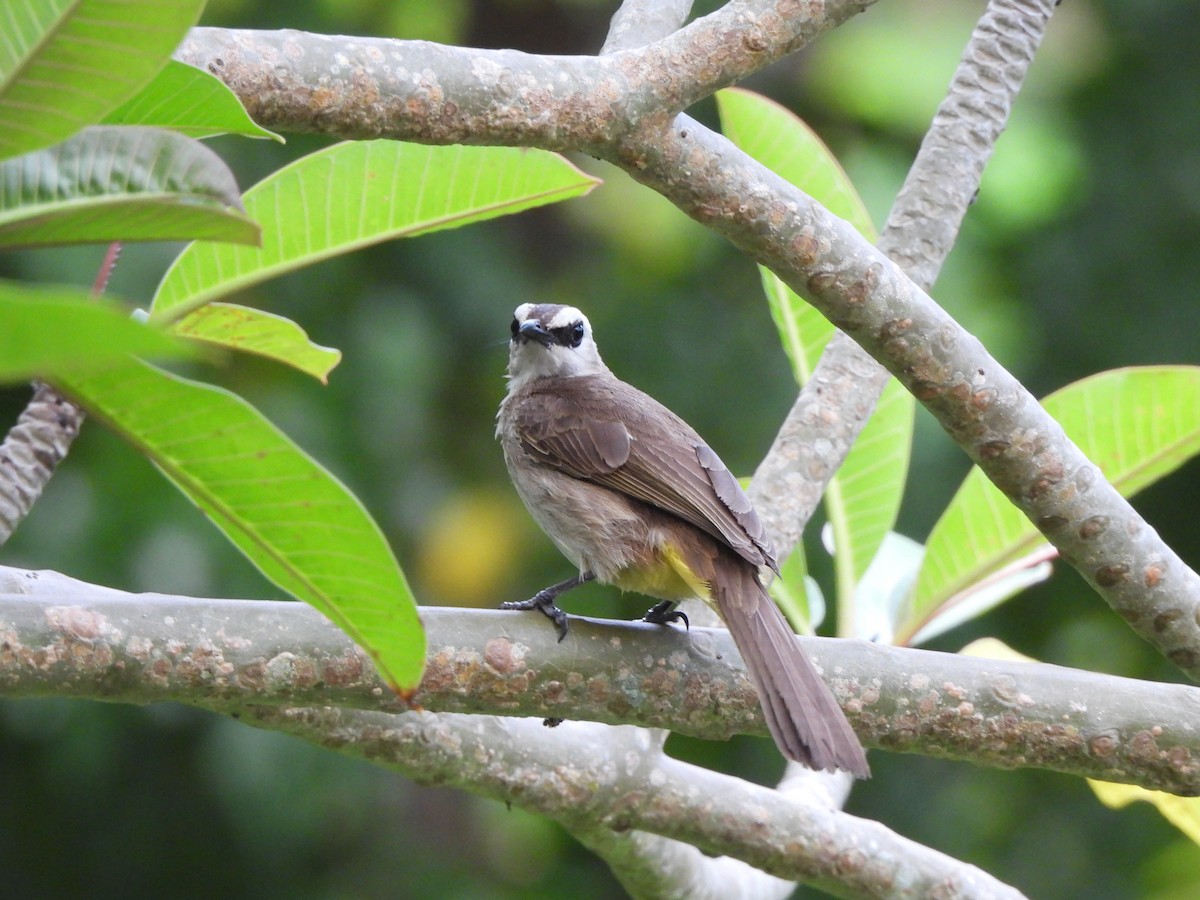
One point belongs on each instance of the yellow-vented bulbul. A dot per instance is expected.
(633, 497)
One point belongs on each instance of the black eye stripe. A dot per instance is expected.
(569, 335)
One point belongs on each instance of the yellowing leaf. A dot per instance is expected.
(1182, 812)
(994, 648)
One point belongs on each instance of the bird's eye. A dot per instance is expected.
(568, 335)
(515, 328)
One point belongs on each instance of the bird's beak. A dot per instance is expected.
(533, 331)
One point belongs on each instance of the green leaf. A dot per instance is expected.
(120, 184)
(255, 331)
(1137, 425)
(356, 194)
(982, 596)
(65, 64)
(190, 101)
(45, 331)
(863, 499)
(297, 523)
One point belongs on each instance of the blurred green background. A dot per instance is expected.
(1080, 255)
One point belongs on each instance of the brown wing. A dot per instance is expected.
(586, 426)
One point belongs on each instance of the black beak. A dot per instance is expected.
(533, 331)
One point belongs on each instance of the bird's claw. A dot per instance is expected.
(543, 601)
(665, 613)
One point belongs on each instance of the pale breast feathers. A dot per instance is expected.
(612, 434)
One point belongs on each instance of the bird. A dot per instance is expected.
(633, 497)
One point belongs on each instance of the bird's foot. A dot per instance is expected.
(543, 601)
(665, 613)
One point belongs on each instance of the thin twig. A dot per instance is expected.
(107, 267)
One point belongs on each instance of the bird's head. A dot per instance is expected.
(549, 339)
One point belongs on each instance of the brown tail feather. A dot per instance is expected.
(805, 720)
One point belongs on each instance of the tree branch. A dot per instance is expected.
(31, 452)
(67, 638)
(921, 229)
(358, 87)
(654, 867)
(639, 22)
(591, 774)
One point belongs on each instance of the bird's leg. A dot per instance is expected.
(544, 600)
(665, 613)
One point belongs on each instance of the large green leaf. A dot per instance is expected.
(190, 101)
(355, 194)
(1136, 425)
(259, 332)
(862, 500)
(120, 184)
(45, 330)
(65, 64)
(294, 520)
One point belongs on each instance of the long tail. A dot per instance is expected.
(805, 720)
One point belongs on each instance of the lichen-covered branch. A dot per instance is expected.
(66, 638)
(921, 230)
(359, 87)
(924, 221)
(651, 866)
(639, 22)
(31, 452)
(591, 774)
